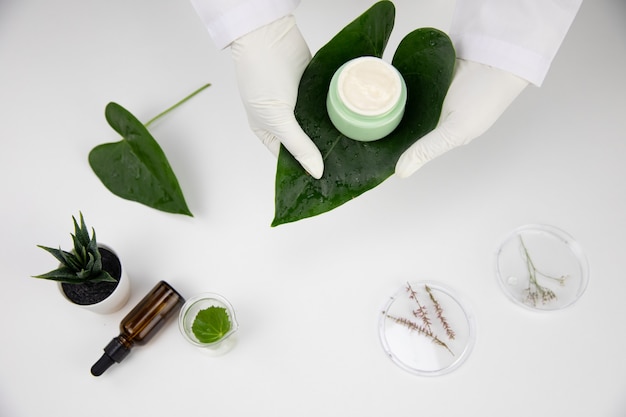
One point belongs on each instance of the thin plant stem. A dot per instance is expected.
(422, 311)
(425, 328)
(535, 289)
(163, 113)
(439, 313)
(411, 325)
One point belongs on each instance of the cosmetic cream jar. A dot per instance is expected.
(366, 98)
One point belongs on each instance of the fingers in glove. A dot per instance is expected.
(432, 145)
(293, 138)
(477, 97)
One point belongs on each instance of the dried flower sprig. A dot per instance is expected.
(423, 330)
(422, 313)
(535, 291)
(439, 313)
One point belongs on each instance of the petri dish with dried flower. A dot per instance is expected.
(541, 267)
(426, 329)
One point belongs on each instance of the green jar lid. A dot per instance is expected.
(366, 98)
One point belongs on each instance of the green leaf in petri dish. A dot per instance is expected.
(211, 324)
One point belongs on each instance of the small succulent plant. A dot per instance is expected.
(83, 264)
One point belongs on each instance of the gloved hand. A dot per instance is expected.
(477, 97)
(269, 63)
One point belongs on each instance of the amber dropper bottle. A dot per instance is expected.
(140, 325)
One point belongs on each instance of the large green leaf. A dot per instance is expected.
(425, 58)
(136, 167)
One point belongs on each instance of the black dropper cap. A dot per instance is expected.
(114, 352)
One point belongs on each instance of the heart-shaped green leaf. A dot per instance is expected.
(425, 58)
(136, 167)
(211, 324)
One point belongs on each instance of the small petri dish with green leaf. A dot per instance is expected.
(208, 321)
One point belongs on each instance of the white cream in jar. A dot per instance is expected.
(366, 98)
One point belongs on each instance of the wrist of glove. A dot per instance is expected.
(477, 97)
(269, 63)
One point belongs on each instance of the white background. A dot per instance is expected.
(307, 294)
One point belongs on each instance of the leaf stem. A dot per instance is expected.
(332, 146)
(163, 113)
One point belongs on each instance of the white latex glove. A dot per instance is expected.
(269, 63)
(477, 97)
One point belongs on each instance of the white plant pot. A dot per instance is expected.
(115, 301)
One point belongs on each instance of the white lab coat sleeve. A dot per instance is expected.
(227, 20)
(519, 36)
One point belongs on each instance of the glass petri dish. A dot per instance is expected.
(188, 314)
(541, 267)
(418, 339)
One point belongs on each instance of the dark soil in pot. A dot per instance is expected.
(94, 292)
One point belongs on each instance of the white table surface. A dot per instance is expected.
(308, 294)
